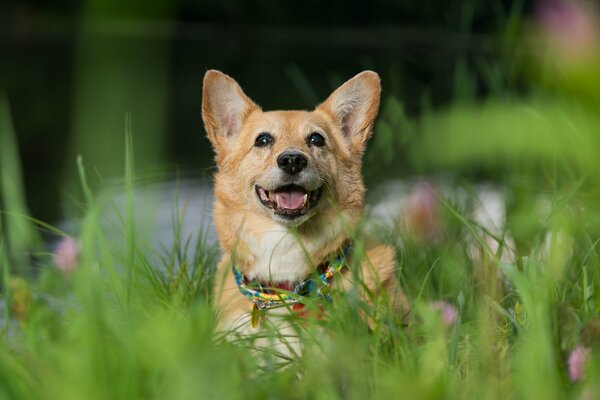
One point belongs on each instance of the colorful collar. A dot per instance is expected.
(265, 297)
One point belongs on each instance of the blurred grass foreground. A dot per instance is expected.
(492, 199)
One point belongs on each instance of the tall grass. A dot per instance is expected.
(131, 321)
(123, 326)
(16, 228)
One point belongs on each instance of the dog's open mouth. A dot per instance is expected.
(289, 201)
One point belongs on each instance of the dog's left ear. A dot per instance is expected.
(354, 105)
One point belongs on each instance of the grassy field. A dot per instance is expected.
(98, 319)
(512, 313)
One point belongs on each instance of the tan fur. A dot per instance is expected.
(247, 231)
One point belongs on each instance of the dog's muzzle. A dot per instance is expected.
(289, 201)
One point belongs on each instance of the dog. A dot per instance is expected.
(289, 197)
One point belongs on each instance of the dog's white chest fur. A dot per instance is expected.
(279, 256)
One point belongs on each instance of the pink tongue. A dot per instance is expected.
(290, 200)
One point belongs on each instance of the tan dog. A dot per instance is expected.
(289, 191)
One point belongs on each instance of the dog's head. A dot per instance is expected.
(290, 165)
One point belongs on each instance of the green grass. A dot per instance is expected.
(125, 325)
(122, 327)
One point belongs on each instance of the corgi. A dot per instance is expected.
(288, 197)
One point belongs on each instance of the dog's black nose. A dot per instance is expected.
(292, 162)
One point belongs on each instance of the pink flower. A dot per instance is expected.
(571, 26)
(576, 363)
(448, 311)
(422, 212)
(66, 255)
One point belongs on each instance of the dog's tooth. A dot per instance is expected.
(263, 194)
(305, 199)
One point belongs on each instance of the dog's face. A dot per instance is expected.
(290, 165)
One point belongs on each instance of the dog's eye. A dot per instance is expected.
(263, 140)
(316, 139)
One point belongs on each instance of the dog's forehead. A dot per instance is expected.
(287, 122)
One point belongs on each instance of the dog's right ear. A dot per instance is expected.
(224, 108)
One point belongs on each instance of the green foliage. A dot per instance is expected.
(17, 233)
(123, 326)
(128, 322)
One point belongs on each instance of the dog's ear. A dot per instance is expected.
(224, 108)
(354, 105)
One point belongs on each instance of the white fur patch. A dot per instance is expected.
(279, 256)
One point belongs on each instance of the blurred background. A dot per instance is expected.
(72, 74)
(483, 172)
